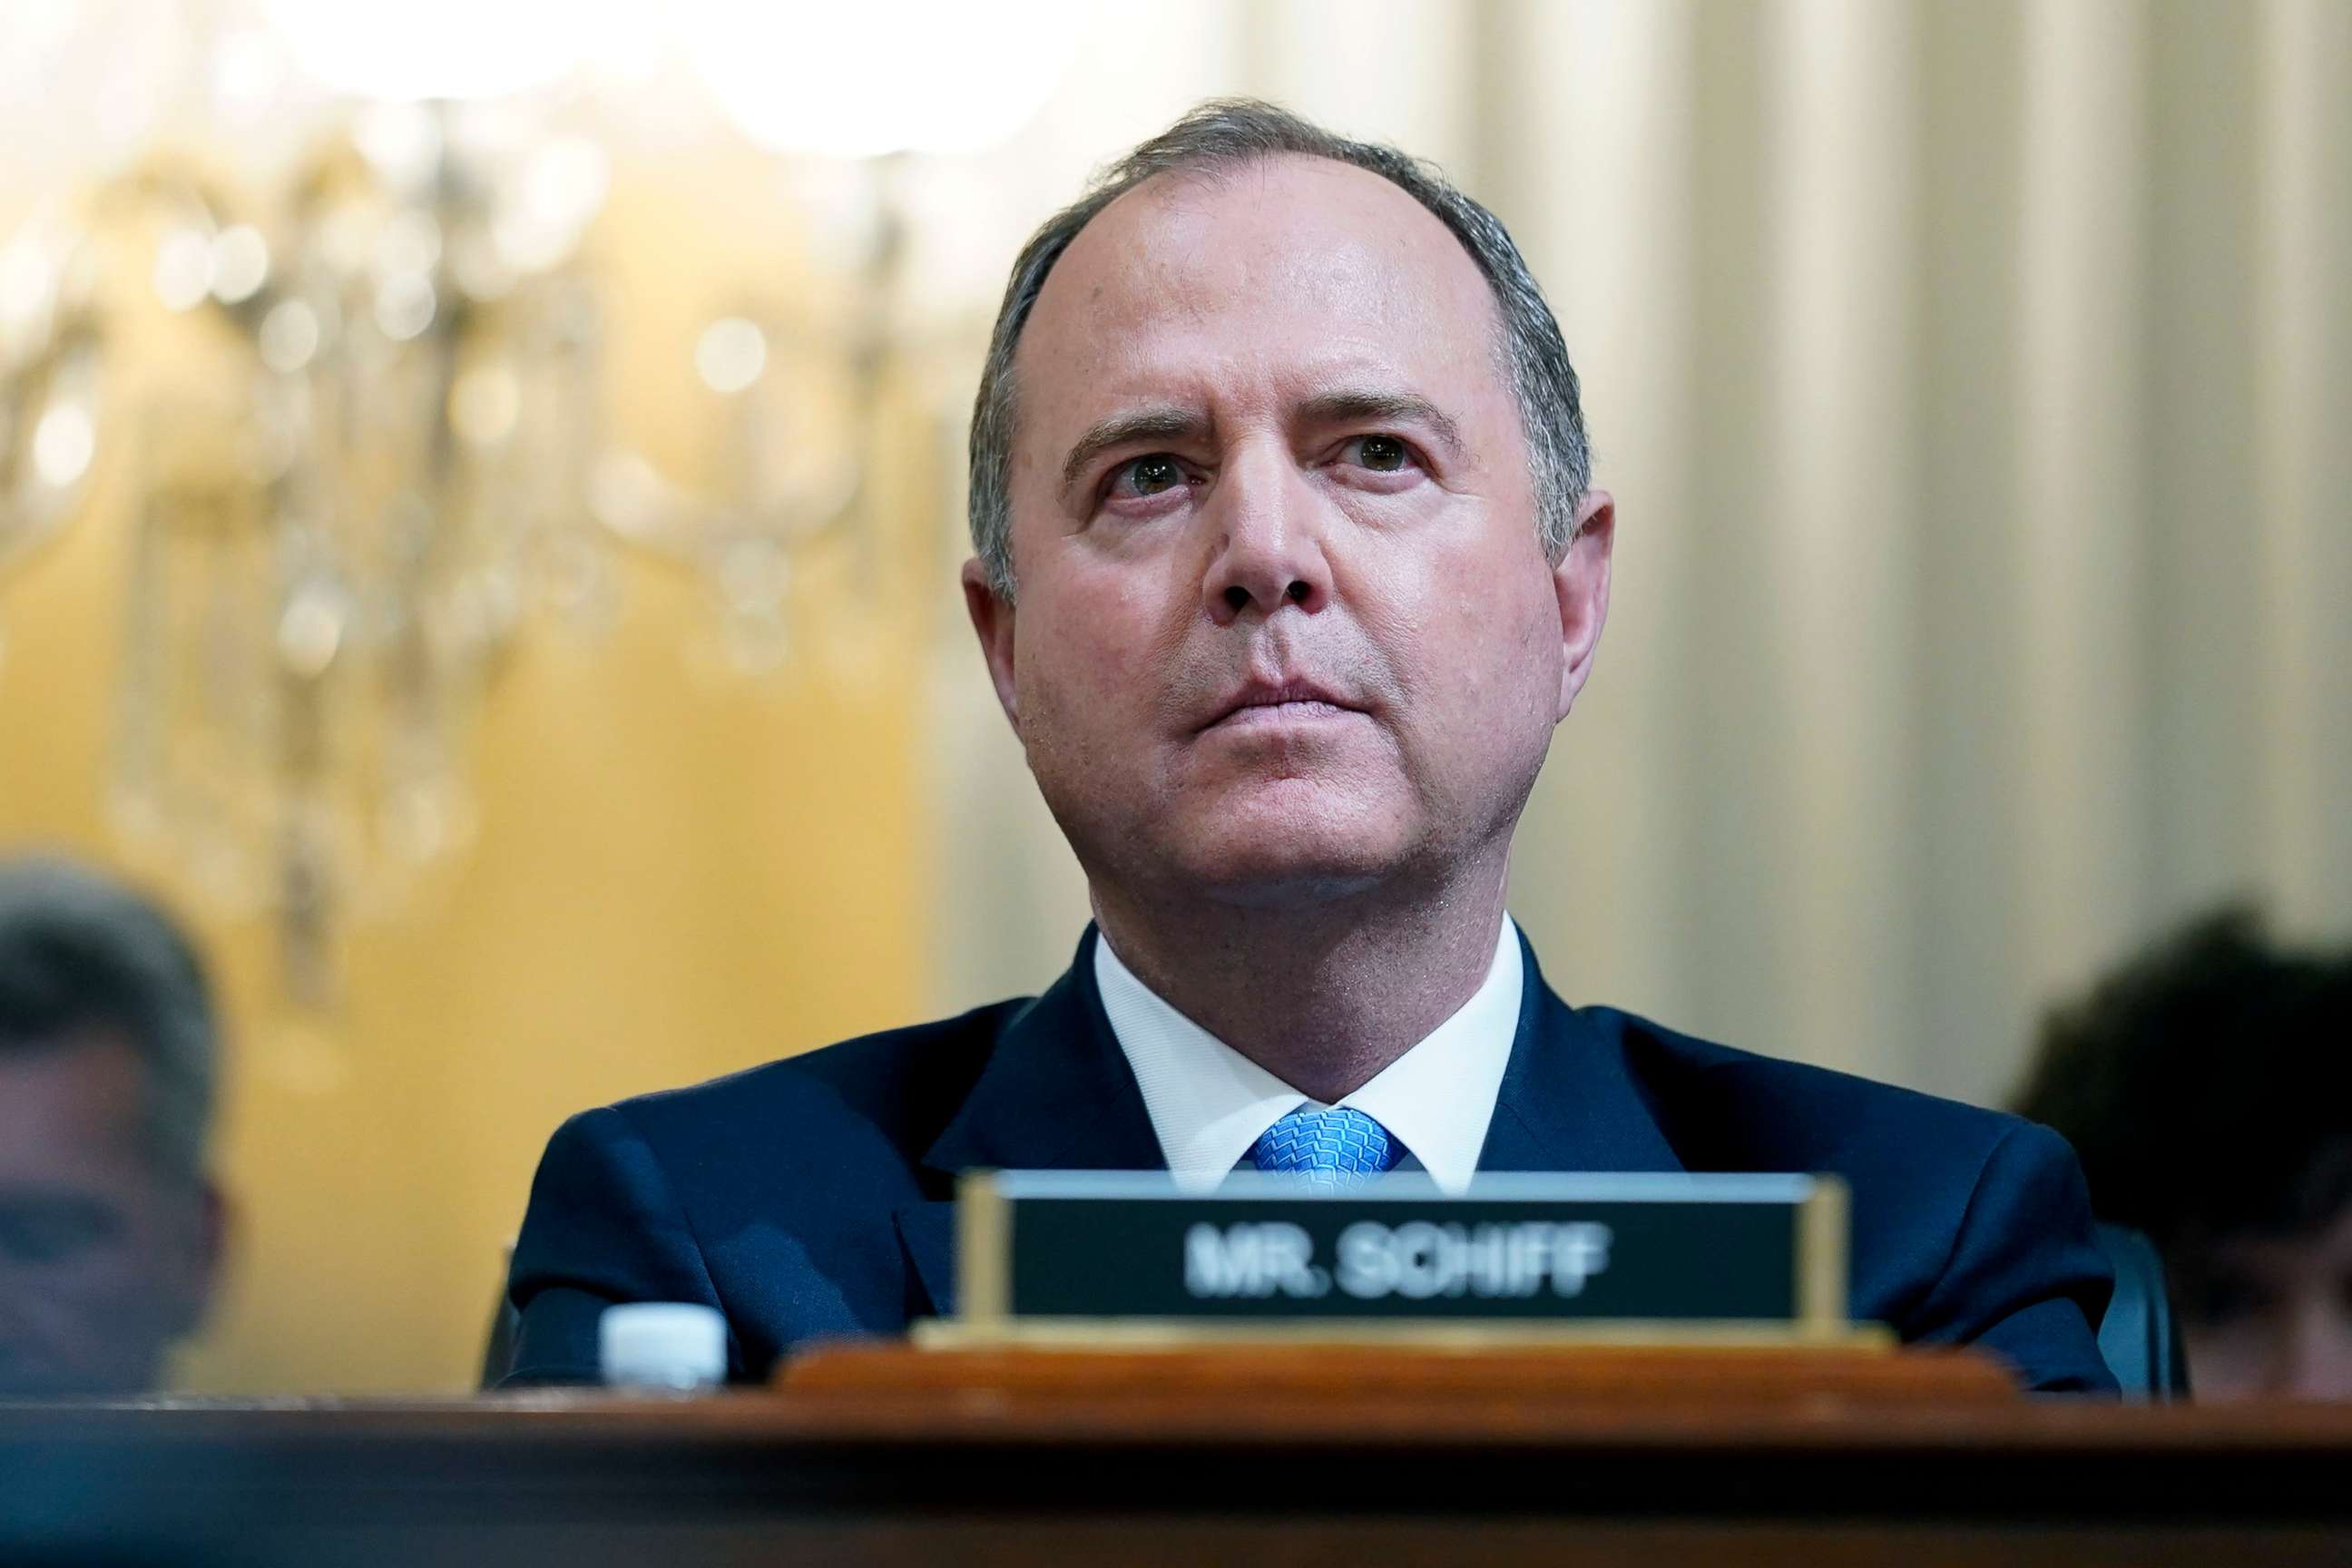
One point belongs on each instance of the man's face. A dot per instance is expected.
(2271, 1315)
(1285, 629)
(104, 1260)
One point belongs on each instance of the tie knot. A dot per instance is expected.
(1332, 1148)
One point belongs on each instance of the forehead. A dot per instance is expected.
(1284, 269)
(71, 1106)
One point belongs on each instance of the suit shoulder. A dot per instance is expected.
(904, 1081)
(1747, 1104)
(1965, 1223)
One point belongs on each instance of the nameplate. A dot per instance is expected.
(1068, 1249)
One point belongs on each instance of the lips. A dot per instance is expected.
(1296, 700)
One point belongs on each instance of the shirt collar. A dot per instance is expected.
(1209, 1103)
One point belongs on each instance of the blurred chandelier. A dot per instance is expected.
(395, 453)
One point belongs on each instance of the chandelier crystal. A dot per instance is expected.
(380, 446)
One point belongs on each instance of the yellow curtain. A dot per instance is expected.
(678, 872)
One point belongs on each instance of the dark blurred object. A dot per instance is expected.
(2136, 1336)
(110, 1227)
(498, 1345)
(2206, 1087)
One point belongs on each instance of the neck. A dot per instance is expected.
(1325, 996)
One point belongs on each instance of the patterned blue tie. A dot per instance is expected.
(1335, 1148)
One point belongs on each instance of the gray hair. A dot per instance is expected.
(79, 951)
(1221, 134)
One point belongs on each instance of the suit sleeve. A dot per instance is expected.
(603, 1226)
(2026, 1277)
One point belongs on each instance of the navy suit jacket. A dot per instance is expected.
(813, 1197)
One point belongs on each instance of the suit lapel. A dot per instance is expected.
(1568, 1102)
(927, 1233)
(1057, 1094)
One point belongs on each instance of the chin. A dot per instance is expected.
(1271, 852)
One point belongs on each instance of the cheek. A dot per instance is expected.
(1087, 660)
(2226, 1364)
(80, 1304)
(1477, 647)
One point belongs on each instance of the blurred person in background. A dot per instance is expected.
(2206, 1087)
(111, 1229)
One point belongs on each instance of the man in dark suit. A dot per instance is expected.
(1288, 564)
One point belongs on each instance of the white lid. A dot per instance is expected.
(662, 1344)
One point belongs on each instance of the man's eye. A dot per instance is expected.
(50, 1232)
(2222, 1298)
(1381, 454)
(1147, 476)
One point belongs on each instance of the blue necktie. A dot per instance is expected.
(1333, 1148)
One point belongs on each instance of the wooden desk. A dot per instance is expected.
(883, 1458)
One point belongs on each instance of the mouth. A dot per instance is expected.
(1269, 704)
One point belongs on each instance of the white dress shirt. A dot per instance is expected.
(1209, 1103)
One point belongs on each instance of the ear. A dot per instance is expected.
(1581, 582)
(992, 621)
(199, 1269)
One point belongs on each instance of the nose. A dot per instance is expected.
(2316, 1359)
(1270, 545)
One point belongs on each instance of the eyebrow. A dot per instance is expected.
(1171, 423)
(1401, 407)
(1164, 424)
